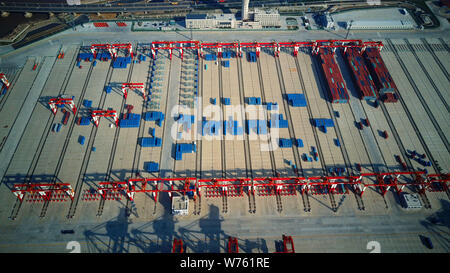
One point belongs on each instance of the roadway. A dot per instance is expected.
(346, 234)
(152, 6)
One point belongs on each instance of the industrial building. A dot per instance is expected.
(256, 19)
(325, 20)
(204, 21)
(373, 19)
(148, 130)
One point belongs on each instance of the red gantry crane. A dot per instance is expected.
(263, 186)
(96, 114)
(4, 80)
(288, 244)
(97, 47)
(238, 46)
(233, 246)
(136, 85)
(177, 246)
(112, 49)
(127, 46)
(61, 101)
(46, 191)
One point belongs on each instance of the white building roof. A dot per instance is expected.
(381, 24)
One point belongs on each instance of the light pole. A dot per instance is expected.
(349, 26)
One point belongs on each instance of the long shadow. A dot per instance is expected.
(183, 35)
(121, 174)
(320, 77)
(338, 35)
(109, 237)
(211, 227)
(320, 202)
(438, 225)
(259, 245)
(347, 74)
(164, 227)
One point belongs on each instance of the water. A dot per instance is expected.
(8, 24)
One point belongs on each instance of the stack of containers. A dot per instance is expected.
(232, 127)
(314, 153)
(187, 121)
(57, 127)
(81, 140)
(296, 100)
(151, 167)
(132, 121)
(83, 121)
(150, 142)
(87, 103)
(336, 86)
(210, 57)
(226, 55)
(322, 124)
(262, 127)
(326, 122)
(251, 125)
(258, 126)
(272, 106)
(121, 62)
(66, 117)
(386, 86)
(252, 57)
(277, 121)
(154, 116)
(226, 101)
(336, 141)
(142, 57)
(307, 158)
(211, 127)
(361, 75)
(184, 148)
(86, 56)
(104, 56)
(253, 101)
(226, 63)
(285, 143)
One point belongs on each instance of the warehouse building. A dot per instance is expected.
(257, 19)
(267, 18)
(375, 19)
(391, 24)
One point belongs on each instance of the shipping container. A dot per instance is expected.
(150, 142)
(210, 57)
(285, 143)
(151, 167)
(81, 140)
(296, 100)
(66, 117)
